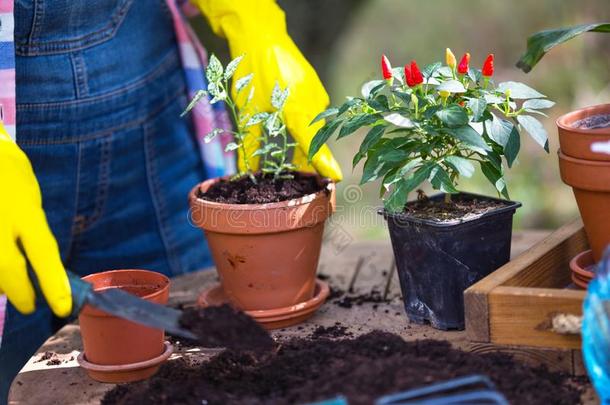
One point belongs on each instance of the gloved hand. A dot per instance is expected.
(257, 29)
(22, 219)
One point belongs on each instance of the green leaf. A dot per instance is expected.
(511, 149)
(399, 120)
(279, 96)
(518, 90)
(453, 116)
(478, 106)
(348, 104)
(214, 70)
(243, 82)
(542, 42)
(493, 99)
(469, 137)
(368, 87)
(324, 114)
(232, 67)
(452, 86)
(498, 130)
(231, 146)
(399, 172)
(440, 180)
(198, 96)
(212, 134)
(475, 75)
(495, 177)
(379, 103)
(429, 70)
(371, 138)
(322, 136)
(537, 104)
(535, 129)
(381, 160)
(356, 122)
(462, 165)
(398, 196)
(257, 119)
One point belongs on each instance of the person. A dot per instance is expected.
(96, 162)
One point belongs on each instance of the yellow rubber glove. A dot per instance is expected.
(257, 29)
(22, 219)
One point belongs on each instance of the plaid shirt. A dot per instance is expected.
(205, 118)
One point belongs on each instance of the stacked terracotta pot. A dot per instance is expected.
(586, 167)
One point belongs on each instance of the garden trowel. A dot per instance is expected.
(127, 306)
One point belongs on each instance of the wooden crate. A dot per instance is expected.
(515, 305)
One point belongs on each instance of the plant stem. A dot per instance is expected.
(447, 198)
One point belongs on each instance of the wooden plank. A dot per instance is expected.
(554, 359)
(522, 316)
(533, 266)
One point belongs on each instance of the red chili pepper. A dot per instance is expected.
(463, 66)
(416, 74)
(409, 77)
(488, 65)
(386, 68)
(462, 103)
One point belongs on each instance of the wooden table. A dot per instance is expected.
(363, 266)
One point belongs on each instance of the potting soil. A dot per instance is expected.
(266, 189)
(593, 122)
(223, 326)
(459, 208)
(361, 369)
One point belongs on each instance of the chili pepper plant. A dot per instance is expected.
(263, 226)
(435, 125)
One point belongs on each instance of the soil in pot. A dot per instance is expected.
(265, 190)
(461, 208)
(224, 326)
(361, 369)
(597, 121)
(441, 249)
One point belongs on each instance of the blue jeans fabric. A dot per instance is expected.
(100, 88)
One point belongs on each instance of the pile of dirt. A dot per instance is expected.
(224, 326)
(266, 189)
(361, 369)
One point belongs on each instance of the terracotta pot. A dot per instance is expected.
(576, 142)
(266, 254)
(112, 341)
(582, 266)
(590, 181)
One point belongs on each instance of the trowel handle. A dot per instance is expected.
(80, 292)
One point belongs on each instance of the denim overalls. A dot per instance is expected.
(99, 93)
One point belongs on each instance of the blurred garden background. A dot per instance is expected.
(344, 40)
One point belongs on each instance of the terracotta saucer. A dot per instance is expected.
(580, 282)
(582, 266)
(272, 318)
(126, 372)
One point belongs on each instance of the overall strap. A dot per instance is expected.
(7, 68)
(205, 116)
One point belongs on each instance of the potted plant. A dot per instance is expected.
(584, 154)
(435, 125)
(264, 228)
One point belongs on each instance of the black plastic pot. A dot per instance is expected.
(437, 261)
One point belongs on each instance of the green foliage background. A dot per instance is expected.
(345, 39)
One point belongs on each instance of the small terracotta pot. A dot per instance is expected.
(582, 266)
(590, 181)
(576, 142)
(266, 254)
(112, 341)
